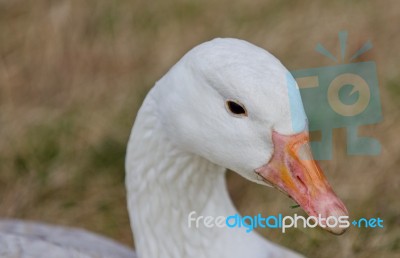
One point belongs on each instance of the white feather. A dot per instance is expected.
(181, 144)
(184, 139)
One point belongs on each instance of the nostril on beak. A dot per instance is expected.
(301, 181)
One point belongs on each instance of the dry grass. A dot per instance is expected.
(73, 74)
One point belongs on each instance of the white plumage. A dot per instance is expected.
(183, 140)
(25, 239)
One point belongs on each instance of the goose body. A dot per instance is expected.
(225, 104)
(25, 239)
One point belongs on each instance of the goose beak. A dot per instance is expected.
(293, 171)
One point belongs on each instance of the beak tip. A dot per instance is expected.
(337, 230)
(339, 212)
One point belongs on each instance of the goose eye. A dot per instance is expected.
(236, 108)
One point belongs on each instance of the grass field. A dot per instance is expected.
(73, 75)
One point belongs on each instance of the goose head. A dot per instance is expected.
(228, 101)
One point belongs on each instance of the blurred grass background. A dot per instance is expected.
(73, 75)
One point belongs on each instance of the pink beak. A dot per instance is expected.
(293, 171)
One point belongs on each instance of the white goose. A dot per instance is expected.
(225, 104)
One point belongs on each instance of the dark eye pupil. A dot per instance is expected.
(236, 108)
